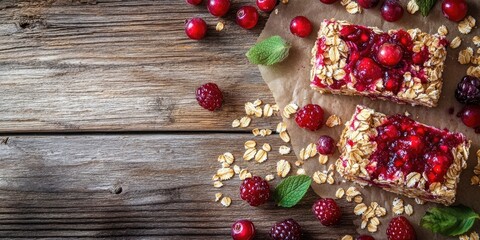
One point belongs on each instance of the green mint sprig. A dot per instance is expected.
(291, 190)
(449, 221)
(425, 6)
(269, 51)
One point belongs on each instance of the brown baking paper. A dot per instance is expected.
(289, 82)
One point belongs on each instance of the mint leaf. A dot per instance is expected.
(449, 221)
(425, 6)
(291, 190)
(269, 51)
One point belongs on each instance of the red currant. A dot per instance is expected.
(243, 230)
(389, 54)
(247, 17)
(325, 145)
(328, 1)
(300, 26)
(470, 116)
(368, 3)
(196, 28)
(391, 10)
(194, 2)
(218, 8)
(266, 5)
(454, 10)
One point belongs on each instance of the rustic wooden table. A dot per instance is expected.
(101, 135)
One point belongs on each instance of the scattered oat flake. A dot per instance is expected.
(353, 8)
(398, 207)
(226, 201)
(409, 209)
(220, 26)
(285, 1)
(358, 199)
(250, 144)
(236, 123)
(330, 179)
(217, 184)
(465, 55)
(245, 122)
(323, 159)
(352, 192)
(465, 26)
(284, 150)
(257, 102)
(215, 177)
(261, 156)
(299, 163)
(267, 147)
(236, 169)
(360, 209)
(345, 2)
(333, 121)
(347, 237)
(476, 41)
(225, 165)
(281, 127)
(442, 30)
(284, 136)
(301, 171)
(283, 168)
(412, 7)
(455, 43)
(249, 154)
(229, 158)
(372, 228)
(256, 132)
(269, 177)
(267, 110)
(244, 174)
(474, 236)
(218, 196)
(319, 177)
(339, 193)
(289, 110)
(265, 132)
(225, 173)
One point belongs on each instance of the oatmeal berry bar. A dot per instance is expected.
(402, 156)
(401, 66)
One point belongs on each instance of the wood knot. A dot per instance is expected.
(117, 189)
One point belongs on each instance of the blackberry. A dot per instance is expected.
(468, 90)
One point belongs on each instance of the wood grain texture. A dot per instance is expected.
(71, 65)
(64, 186)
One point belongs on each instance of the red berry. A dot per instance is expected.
(209, 96)
(400, 228)
(196, 28)
(391, 10)
(325, 145)
(247, 17)
(266, 5)
(310, 117)
(300, 26)
(368, 3)
(243, 230)
(389, 54)
(365, 237)
(194, 2)
(470, 116)
(255, 191)
(218, 8)
(328, 1)
(327, 211)
(286, 230)
(368, 70)
(454, 10)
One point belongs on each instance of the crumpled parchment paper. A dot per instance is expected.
(289, 82)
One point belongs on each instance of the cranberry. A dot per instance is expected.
(247, 17)
(196, 28)
(266, 5)
(392, 11)
(454, 10)
(367, 70)
(389, 54)
(368, 3)
(470, 116)
(328, 1)
(218, 8)
(365, 237)
(300, 26)
(392, 85)
(421, 57)
(194, 2)
(243, 230)
(325, 145)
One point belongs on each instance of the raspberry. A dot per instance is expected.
(255, 191)
(286, 230)
(327, 211)
(310, 117)
(468, 90)
(400, 228)
(209, 96)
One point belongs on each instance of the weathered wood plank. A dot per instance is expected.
(118, 66)
(62, 186)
